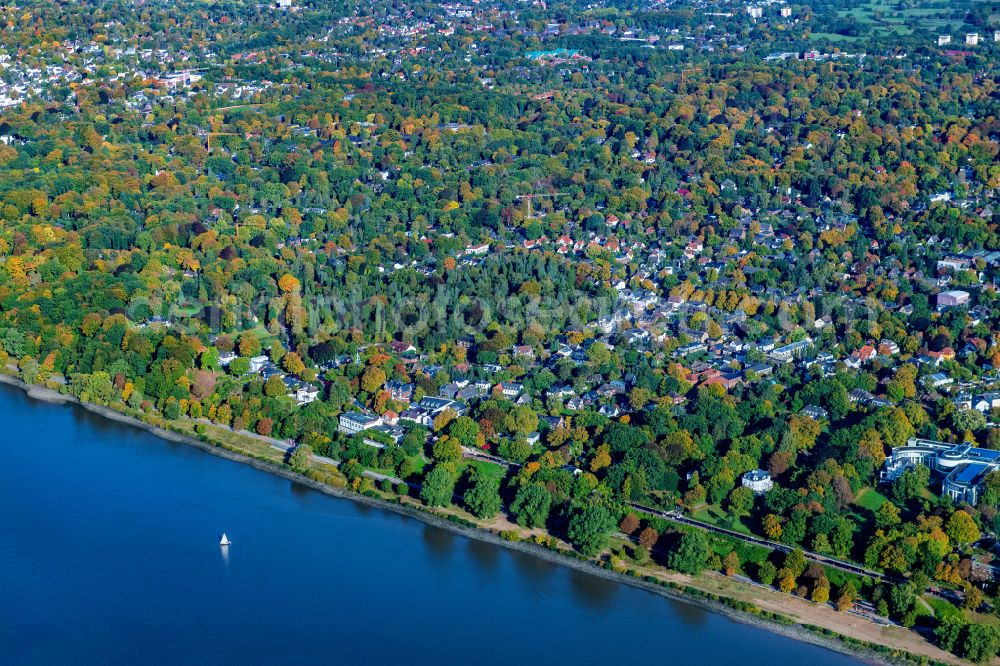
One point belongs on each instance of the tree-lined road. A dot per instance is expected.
(677, 517)
(680, 519)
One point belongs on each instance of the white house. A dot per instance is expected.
(938, 379)
(354, 422)
(952, 299)
(791, 350)
(257, 363)
(815, 412)
(985, 402)
(511, 389)
(758, 481)
(306, 394)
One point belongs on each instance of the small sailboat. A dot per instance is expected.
(224, 541)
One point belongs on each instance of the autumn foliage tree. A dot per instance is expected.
(648, 538)
(629, 524)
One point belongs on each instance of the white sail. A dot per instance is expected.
(225, 540)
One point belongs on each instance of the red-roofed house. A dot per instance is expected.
(864, 354)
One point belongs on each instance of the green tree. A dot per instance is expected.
(741, 500)
(767, 572)
(589, 529)
(531, 505)
(274, 387)
(968, 419)
(795, 561)
(464, 429)
(979, 642)
(438, 486)
(902, 599)
(300, 457)
(991, 487)
(523, 420)
(691, 554)
(949, 631)
(911, 483)
(483, 497)
(962, 529)
(598, 354)
(239, 366)
(887, 516)
(447, 449)
(209, 359)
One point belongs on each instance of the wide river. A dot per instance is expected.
(109, 554)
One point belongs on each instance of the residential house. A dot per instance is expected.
(757, 480)
(437, 405)
(985, 402)
(790, 351)
(938, 379)
(399, 391)
(402, 348)
(952, 299)
(863, 355)
(257, 363)
(352, 423)
(815, 412)
(306, 393)
(510, 389)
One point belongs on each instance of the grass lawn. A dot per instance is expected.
(982, 618)
(189, 310)
(714, 514)
(942, 608)
(870, 499)
(487, 468)
(832, 36)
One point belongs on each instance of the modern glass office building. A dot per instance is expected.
(963, 466)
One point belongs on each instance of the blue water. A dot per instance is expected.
(109, 554)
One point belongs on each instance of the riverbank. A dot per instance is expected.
(676, 588)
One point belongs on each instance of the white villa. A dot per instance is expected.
(758, 481)
(306, 394)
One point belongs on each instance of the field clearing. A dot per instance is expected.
(870, 499)
(896, 18)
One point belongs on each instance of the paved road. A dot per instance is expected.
(287, 447)
(678, 518)
(475, 454)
